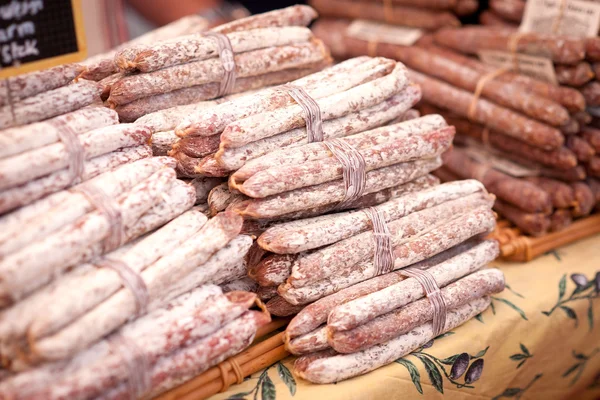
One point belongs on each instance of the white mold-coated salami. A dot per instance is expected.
(36, 264)
(40, 219)
(257, 62)
(158, 277)
(316, 314)
(350, 124)
(273, 270)
(50, 104)
(177, 200)
(332, 367)
(35, 163)
(18, 140)
(308, 268)
(359, 311)
(167, 119)
(333, 192)
(316, 151)
(19, 196)
(402, 320)
(33, 83)
(198, 146)
(162, 142)
(220, 197)
(298, 15)
(309, 343)
(190, 317)
(199, 47)
(225, 265)
(164, 333)
(281, 120)
(91, 289)
(200, 93)
(368, 200)
(294, 237)
(102, 65)
(339, 78)
(413, 250)
(392, 151)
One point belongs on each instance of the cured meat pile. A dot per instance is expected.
(351, 97)
(246, 54)
(542, 129)
(40, 95)
(314, 178)
(90, 306)
(576, 60)
(561, 151)
(424, 14)
(101, 66)
(44, 157)
(357, 308)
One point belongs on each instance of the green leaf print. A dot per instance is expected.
(415, 376)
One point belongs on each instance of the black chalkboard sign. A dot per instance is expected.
(37, 34)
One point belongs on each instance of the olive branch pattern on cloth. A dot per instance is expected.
(585, 289)
(509, 303)
(266, 387)
(458, 363)
(522, 356)
(579, 366)
(517, 392)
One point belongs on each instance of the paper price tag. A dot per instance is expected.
(536, 67)
(562, 17)
(371, 31)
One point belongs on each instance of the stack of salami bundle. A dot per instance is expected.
(44, 157)
(552, 141)
(358, 279)
(37, 96)
(345, 99)
(90, 310)
(575, 59)
(503, 116)
(250, 53)
(423, 14)
(101, 66)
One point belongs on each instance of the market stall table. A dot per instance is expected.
(538, 340)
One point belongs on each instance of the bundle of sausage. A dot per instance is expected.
(37, 96)
(103, 65)
(339, 173)
(47, 237)
(48, 156)
(162, 123)
(147, 356)
(576, 59)
(59, 307)
(246, 54)
(417, 220)
(353, 96)
(365, 297)
(535, 204)
(375, 322)
(424, 14)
